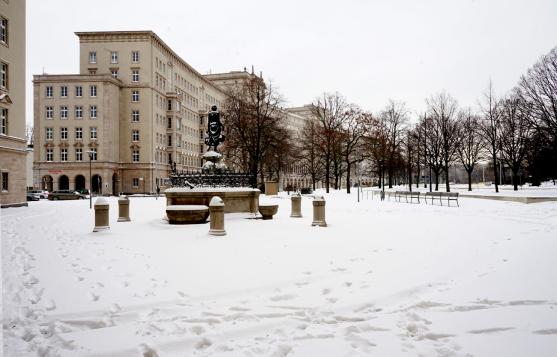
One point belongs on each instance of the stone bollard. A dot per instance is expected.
(216, 211)
(296, 200)
(101, 215)
(123, 209)
(319, 212)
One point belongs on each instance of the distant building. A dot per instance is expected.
(136, 107)
(12, 104)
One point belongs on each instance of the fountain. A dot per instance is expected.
(214, 179)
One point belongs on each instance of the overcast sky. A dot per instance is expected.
(369, 51)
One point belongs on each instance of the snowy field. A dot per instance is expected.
(384, 279)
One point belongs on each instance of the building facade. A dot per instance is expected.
(12, 104)
(134, 109)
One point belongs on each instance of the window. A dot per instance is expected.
(64, 154)
(78, 91)
(170, 158)
(114, 72)
(93, 154)
(135, 182)
(93, 132)
(49, 91)
(92, 57)
(79, 133)
(49, 133)
(135, 96)
(113, 57)
(93, 91)
(169, 123)
(63, 112)
(4, 75)
(135, 75)
(3, 121)
(135, 135)
(3, 30)
(92, 71)
(79, 112)
(79, 154)
(49, 113)
(135, 156)
(63, 91)
(49, 155)
(169, 140)
(135, 56)
(93, 112)
(5, 181)
(169, 105)
(135, 116)
(64, 133)
(200, 133)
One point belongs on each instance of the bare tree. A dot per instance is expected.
(353, 131)
(253, 116)
(442, 108)
(470, 143)
(515, 133)
(395, 119)
(539, 87)
(309, 154)
(433, 148)
(375, 143)
(490, 128)
(330, 110)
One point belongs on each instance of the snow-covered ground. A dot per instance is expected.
(384, 278)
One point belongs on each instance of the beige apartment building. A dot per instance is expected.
(12, 104)
(135, 108)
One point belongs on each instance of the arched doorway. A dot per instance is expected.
(97, 184)
(80, 183)
(47, 183)
(114, 185)
(63, 183)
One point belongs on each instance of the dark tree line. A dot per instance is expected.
(517, 133)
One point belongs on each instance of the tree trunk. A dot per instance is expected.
(494, 156)
(447, 185)
(390, 177)
(327, 172)
(469, 179)
(409, 177)
(436, 173)
(515, 179)
(348, 177)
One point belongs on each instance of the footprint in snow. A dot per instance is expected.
(93, 296)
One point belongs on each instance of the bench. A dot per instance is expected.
(407, 194)
(187, 214)
(432, 196)
(268, 210)
(450, 196)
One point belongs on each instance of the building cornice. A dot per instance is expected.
(126, 36)
(68, 78)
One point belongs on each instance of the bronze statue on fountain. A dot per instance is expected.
(215, 129)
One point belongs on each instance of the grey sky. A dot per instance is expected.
(369, 51)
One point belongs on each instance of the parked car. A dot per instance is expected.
(33, 196)
(41, 193)
(65, 195)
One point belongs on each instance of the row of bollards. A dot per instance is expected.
(216, 212)
(101, 212)
(318, 209)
